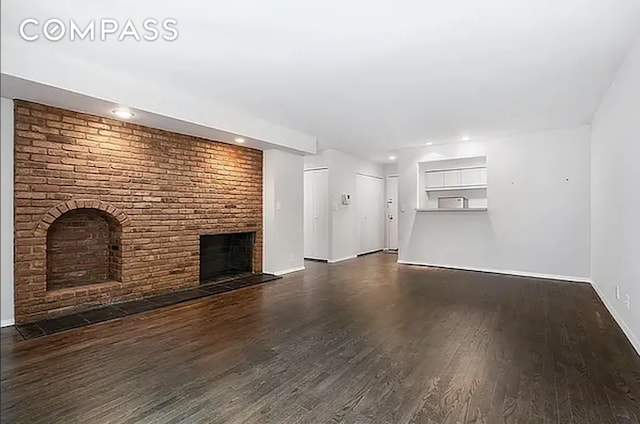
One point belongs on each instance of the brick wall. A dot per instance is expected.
(163, 189)
(79, 249)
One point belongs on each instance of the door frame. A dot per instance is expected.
(304, 243)
(387, 221)
(382, 212)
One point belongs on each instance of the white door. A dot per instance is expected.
(377, 228)
(392, 213)
(363, 203)
(370, 206)
(316, 211)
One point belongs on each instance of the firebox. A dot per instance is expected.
(224, 256)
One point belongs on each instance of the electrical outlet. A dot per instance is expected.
(627, 301)
(617, 292)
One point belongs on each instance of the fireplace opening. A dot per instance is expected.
(83, 247)
(225, 256)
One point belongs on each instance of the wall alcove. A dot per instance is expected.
(83, 247)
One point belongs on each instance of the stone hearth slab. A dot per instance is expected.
(45, 327)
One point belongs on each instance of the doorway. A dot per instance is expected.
(370, 205)
(316, 214)
(391, 215)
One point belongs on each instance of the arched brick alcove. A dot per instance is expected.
(83, 244)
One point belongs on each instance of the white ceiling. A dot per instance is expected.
(371, 77)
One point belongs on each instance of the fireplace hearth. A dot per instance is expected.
(225, 256)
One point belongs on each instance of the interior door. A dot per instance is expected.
(316, 211)
(370, 208)
(377, 205)
(392, 213)
(309, 213)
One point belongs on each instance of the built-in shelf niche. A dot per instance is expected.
(455, 177)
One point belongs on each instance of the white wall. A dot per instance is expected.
(390, 169)
(615, 203)
(283, 248)
(6, 211)
(538, 217)
(321, 160)
(343, 219)
(343, 171)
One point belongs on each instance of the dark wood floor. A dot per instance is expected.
(364, 341)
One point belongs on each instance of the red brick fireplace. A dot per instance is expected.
(109, 211)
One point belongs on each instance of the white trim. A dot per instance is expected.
(456, 168)
(313, 258)
(451, 210)
(7, 322)
(319, 168)
(505, 271)
(7, 245)
(289, 270)
(370, 251)
(623, 326)
(454, 158)
(346, 258)
(362, 174)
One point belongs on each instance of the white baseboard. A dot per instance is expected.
(370, 251)
(289, 270)
(346, 258)
(7, 322)
(623, 326)
(313, 258)
(504, 271)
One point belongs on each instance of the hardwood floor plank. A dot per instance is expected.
(364, 341)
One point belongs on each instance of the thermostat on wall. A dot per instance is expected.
(346, 199)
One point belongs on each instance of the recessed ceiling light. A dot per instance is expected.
(123, 113)
(392, 157)
(428, 143)
(465, 138)
(239, 140)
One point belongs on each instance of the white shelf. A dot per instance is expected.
(453, 210)
(456, 188)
